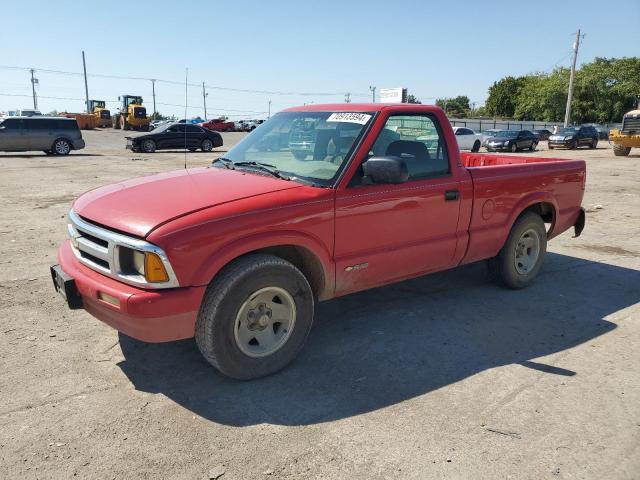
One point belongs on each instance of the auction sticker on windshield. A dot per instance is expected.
(350, 117)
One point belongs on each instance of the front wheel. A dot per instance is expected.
(255, 317)
(513, 148)
(207, 145)
(519, 261)
(533, 146)
(593, 144)
(149, 146)
(476, 146)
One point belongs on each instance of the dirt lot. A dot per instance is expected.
(446, 376)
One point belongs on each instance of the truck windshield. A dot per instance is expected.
(312, 146)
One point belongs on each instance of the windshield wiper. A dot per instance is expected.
(224, 161)
(265, 167)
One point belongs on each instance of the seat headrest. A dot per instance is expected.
(414, 149)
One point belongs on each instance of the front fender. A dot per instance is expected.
(229, 252)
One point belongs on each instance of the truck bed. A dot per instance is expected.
(504, 184)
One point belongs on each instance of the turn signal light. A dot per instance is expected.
(154, 271)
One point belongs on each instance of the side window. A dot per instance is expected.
(193, 129)
(417, 140)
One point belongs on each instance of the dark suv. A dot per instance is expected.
(574, 137)
(52, 135)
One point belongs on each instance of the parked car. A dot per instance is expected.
(542, 134)
(467, 139)
(219, 125)
(512, 141)
(237, 255)
(156, 123)
(175, 135)
(52, 135)
(487, 134)
(574, 137)
(192, 121)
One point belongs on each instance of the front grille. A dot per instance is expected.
(100, 249)
(105, 114)
(140, 112)
(631, 124)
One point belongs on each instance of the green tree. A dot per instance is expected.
(457, 107)
(502, 97)
(412, 99)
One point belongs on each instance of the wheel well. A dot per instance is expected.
(546, 211)
(304, 260)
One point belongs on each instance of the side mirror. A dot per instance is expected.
(385, 170)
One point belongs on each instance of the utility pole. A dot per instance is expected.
(373, 93)
(204, 99)
(33, 89)
(269, 113)
(347, 97)
(473, 108)
(86, 86)
(153, 93)
(567, 112)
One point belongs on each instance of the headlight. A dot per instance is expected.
(146, 264)
(570, 137)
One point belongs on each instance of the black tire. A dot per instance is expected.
(621, 151)
(476, 146)
(574, 145)
(550, 147)
(533, 146)
(223, 300)
(116, 122)
(207, 145)
(148, 146)
(502, 267)
(513, 148)
(61, 147)
(299, 155)
(593, 144)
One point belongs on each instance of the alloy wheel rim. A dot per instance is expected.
(207, 145)
(148, 146)
(527, 251)
(264, 322)
(62, 147)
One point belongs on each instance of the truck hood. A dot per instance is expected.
(140, 205)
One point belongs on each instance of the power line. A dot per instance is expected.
(175, 82)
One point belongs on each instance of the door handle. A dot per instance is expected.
(451, 195)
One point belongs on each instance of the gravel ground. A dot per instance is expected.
(446, 376)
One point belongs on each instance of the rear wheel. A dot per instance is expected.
(513, 148)
(574, 145)
(148, 146)
(255, 317)
(476, 146)
(61, 147)
(519, 261)
(207, 145)
(620, 151)
(533, 146)
(116, 122)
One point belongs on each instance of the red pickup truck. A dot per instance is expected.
(238, 253)
(219, 125)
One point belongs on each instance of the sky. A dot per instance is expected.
(434, 49)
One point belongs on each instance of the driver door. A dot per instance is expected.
(387, 232)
